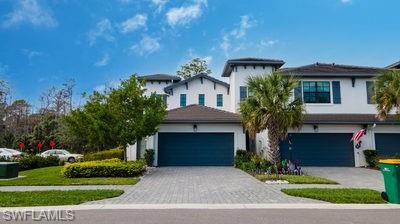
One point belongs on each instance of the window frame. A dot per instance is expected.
(220, 100)
(202, 97)
(246, 92)
(317, 103)
(182, 100)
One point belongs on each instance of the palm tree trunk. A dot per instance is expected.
(273, 143)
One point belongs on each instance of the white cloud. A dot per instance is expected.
(102, 30)
(245, 24)
(103, 61)
(3, 69)
(268, 43)
(105, 87)
(29, 11)
(159, 4)
(193, 55)
(134, 23)
(146, 46)
(32, 53)
(185, 14)
(225, 44)
(346, 1)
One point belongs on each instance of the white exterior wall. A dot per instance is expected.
(239, 77)
(239, 136)
(192, 94)
(354, 99)
(156, 86)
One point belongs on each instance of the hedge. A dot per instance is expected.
(106, 154)
(371, 157)
(32, 162)
(104, 168)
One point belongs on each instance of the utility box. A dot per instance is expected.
(8, 170)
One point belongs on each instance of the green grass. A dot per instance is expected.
(54, 197)
(339, 195)
(296, 179)
(51, 176)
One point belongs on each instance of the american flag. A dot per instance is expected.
(358, 135)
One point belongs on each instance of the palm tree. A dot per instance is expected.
(270, 107)
(387, 93)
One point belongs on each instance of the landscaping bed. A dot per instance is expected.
(338, 195)
(295, 179)
(54, 197)
(52, 176)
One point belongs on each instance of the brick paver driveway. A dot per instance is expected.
(350, 176)
(206, 185)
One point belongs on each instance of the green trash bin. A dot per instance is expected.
(8, 170)
(391, 173)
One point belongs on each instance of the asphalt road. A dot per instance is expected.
(233, 216)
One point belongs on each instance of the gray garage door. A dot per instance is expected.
(319, 149)
(387, 144)
(195, 149)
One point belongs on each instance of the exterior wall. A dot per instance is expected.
(239, 136)
(239, 77)
(192, 94)
(353, 99)
(156, 86)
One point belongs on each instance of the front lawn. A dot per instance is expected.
(50, 176)
(54, 197)
(338, 195)
(296, 179)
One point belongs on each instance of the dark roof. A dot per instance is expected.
(348, 119)
(160, 77)
(202, 75)
(249, 61)
(200, 114)
(395, 65)
(334, 70)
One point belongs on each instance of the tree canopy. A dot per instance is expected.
(387, 93)
(194, 67)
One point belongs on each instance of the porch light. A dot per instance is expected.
(195, 128)
(315, 128)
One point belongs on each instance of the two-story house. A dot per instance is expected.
(203, 126)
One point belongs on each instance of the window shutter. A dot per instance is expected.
(297, 92)
(337, 99)
(370, 92)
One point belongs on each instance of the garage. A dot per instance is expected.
(319, 149)
(195, 149)
(387, 144)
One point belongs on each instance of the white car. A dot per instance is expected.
(5, 154)
(15, 153)
(62, 154)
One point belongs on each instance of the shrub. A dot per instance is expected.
(149, 157)
(251, 162)
(104, 168)
(242, 156)
(371, 157)
(32, 162)
(106, 154)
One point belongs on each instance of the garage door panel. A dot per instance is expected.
(319, 149)
(387, 144)
(195, 149)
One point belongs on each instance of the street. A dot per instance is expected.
(233, 216)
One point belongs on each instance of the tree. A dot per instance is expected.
(270, 107)
(387, 93)
(194, 67)
(137, 115)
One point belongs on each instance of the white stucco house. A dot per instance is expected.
(203, 126)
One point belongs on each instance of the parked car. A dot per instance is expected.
(62, 154)
(15, 153)
(5, 154)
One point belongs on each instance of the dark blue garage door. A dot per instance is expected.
(195, 149)
(319, 149)
(387, 144)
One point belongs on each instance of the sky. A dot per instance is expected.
(44, 43)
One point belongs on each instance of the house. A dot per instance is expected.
(203, 126)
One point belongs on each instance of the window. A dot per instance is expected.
(316, 92)
(183, 100)
(243, 92)
(220, 100)
(370, 92)
(201, 99)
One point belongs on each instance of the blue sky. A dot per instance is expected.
(45, 43)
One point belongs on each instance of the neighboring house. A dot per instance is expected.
(203, 126)
(395, 65)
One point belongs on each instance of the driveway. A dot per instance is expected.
(350, 176)
(205, 185)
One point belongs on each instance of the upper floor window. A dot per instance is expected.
(201, 99)
(243, 92)
(370, 92)
(183, 100)
(220, 100)
(316, 92)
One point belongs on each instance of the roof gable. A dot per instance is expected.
(200, 114)
(202, 75)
